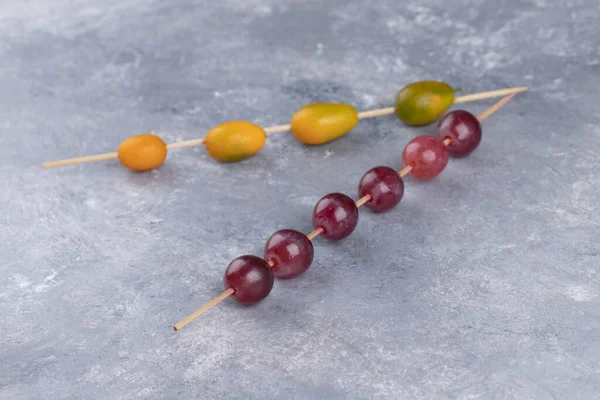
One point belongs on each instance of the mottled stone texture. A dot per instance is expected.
(482, 284)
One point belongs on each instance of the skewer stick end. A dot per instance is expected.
(488, 95)
(203, 309)
(496, 107)
(80, 160)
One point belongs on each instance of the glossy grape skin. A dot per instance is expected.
(290, 253)
(427, 155)
(336, 214)
(464, 131)
(384, 186)
(250, 277)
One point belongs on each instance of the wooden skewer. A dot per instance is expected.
(460, 99)
(360, 202)
(277, 129)
(203, 309)
(495, 107)
(283, 128)
(486, 95)
(81, 160)
(405, 171)
(315, 233)
(185, 143)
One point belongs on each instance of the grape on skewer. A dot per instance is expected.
(249, 279)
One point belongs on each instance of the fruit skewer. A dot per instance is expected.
(289, 253)
(419, 103)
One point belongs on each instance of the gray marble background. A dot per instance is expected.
(482, 284)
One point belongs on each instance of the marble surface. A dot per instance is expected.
(482, 284)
